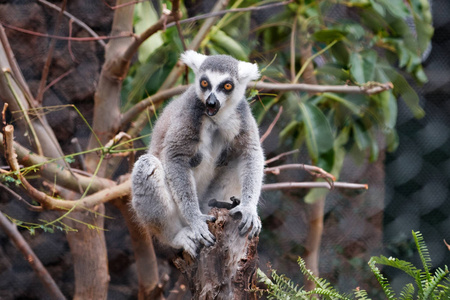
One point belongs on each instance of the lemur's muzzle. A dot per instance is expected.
(212, 105)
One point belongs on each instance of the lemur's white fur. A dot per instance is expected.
(199, 152)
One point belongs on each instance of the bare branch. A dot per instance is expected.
(76, 20)
(48, 202)
(50, 170)
(18, 197)
(226, 11)
(156, 99)
(67, 38)
(30, 256)
(275, 158)
(309, 185)
(313, 170)
(270, 128)
(367, 89)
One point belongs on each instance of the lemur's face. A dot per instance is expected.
(215, 90)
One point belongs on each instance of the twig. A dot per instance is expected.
(57, 79)
(159, 25)
(49, 170)
(156, 99)
(66, 38)
(30, 256)
(48, 61)
(226, 11)
(313, 170)
(271, 126)
(76, 20)
(275, 158)
(69, 44)
(123, 5)
(309, 185)
(48, 202)
(18, 197)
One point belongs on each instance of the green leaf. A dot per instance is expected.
(362, 137)
(402, 88)
(350, 105)
(329, 35)
(69, 159)
(396, 7)
(146, 16)
(227, 44)
(319, 137)
(362, 65)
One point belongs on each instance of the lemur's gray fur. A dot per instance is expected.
(205, 145)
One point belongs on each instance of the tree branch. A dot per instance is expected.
(368, 89)
(271, 126)
(49, 170)
(310, 185)
(156, 99)
(20, 243)
(76, 20)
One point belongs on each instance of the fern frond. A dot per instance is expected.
(281, 287)
(319, 282)
(436, 279)
(383, 281)
(329, 293)
(361, 294)
(423, 253)
(444, 289)
(405, 266)
(408, 292)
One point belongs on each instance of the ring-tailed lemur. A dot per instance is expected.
(204, 145)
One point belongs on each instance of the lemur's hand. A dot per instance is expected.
(250, 220)
(201, 230)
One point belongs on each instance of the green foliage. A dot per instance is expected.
(429, 286)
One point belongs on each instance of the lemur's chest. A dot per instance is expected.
(215, 141)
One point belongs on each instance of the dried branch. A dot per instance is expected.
(49, 170)
(301, 87)
(368, 89)
(275, 158)
(48, 61)
(313, 170)
(226, 11)
(67, 38)
(310, 185)
(42, 273)
(18, 197)
(75, 20)
(151, 101)
(272, 125)
(159, 25)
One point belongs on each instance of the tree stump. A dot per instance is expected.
(226, 270)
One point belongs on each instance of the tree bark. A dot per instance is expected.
(226, 270)
(144, 253)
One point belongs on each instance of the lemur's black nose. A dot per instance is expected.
(212, 105)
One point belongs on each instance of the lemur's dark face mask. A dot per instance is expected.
(212, 105)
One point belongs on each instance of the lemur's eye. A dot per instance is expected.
(204, 83)
(228, 86)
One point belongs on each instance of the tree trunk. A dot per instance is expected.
(88, 250)
(226, 270)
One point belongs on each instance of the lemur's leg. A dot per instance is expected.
(154, 206)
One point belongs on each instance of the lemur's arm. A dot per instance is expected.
(251, 172)
(178, 153)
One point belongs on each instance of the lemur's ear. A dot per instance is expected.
(193, 59)
(247, 71)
